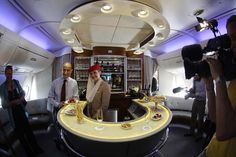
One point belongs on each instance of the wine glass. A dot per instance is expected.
(147, 121)
(99, 117)
(79, 113)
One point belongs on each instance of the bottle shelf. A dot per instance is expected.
(134, 80)
(119, 72)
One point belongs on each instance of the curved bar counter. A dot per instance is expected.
(143, 136)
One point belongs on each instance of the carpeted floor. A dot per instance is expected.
(176, 146)
(179, 146)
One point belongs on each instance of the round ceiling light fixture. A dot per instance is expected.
(160, 24)
(160, 36)
(107, 8)
(138, 52)
(66, 31)
(70, 41)
(77, 49)
(151, 43)
(76, 18)
(143, 13)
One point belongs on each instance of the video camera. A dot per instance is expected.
(194, 62)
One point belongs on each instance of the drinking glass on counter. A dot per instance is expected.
(147, 121)
(79, 113)
(99, 117)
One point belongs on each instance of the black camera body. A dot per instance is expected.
(194, 63)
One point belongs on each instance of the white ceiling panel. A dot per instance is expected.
(129, 35)
(101, 20)
(94, 33)
(132, 22)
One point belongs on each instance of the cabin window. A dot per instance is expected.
(156, 76)
(26, 89)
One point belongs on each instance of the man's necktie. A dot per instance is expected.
(63, 91)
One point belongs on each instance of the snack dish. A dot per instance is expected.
(143, 101)
(156, 117)
(126, 126)
(70, 101)
(70, 112)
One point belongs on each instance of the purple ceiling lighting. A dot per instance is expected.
(10, 17)
(14, 20)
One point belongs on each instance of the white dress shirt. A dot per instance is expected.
(54, 95)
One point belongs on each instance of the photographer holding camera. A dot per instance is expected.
(222, 103)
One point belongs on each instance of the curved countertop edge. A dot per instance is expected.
(120, 139)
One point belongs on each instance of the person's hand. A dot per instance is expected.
(191, 90)
(62, 103)
(215, 67)
(187, 96)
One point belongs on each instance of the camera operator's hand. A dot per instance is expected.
(215, 67)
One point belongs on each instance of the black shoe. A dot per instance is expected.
(188, 134)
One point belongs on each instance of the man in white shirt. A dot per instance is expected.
(62, 89)
(55, 96)
(198, 108)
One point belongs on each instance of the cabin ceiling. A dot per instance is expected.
(41, 21)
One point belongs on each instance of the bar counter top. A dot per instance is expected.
(113, 132)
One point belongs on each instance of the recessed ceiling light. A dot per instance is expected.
(138, 52)
(160, 23)
(107, 8)
(70, 41)
(161, 26)
(151, 43)
(160, 36)
(76, 18)
(143, 13)
(78, 49)
(67, 31)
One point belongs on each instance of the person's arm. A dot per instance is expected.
(4, 100)
(225, 112)
(211, 99)
(21, 91)
(106, 94)
(75, 90)
(52, 96)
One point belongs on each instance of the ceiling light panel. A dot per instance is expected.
(66, 31)
(78, 49)
(102, 29)
(106, 8)
(75, 18)
(143, 13)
